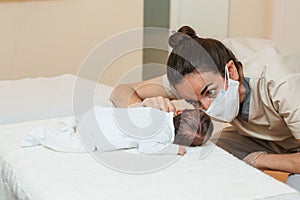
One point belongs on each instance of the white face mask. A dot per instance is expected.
(226, 106)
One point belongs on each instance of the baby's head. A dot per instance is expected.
(192, 127)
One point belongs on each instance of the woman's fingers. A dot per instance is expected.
(160, 103)
(170, 106)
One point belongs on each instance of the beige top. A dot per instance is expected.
(273, 108)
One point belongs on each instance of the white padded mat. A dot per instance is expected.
(40, 173)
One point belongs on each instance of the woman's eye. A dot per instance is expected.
(211, 93)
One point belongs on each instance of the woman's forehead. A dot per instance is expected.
(195, 82)
(189, 85)
(200, 79)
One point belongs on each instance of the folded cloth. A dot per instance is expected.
(62, 138)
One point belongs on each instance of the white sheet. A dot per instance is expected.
(39, 173)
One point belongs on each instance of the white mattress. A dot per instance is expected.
(39, 174)
(44, 98)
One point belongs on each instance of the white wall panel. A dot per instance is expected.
(208, 17)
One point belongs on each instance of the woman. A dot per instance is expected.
(264, 111)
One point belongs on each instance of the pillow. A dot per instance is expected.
(245, 47)
(42, 98)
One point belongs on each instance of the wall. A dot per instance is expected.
(271, 19)
(286, 24)
(224, 18)
(250, 18)
(52, 37)
(208, 17)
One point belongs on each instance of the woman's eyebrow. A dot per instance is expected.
(205, 88)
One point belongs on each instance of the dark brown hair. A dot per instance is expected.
(192, 127)
(191, 53)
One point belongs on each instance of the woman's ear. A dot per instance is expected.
(233, 73)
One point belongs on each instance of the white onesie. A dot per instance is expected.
(149, 130)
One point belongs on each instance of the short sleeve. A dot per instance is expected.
(169, 88)
(286, 100)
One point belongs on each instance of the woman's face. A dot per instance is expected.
(200, 89)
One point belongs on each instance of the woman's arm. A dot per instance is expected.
(150, 93)
(278, 162)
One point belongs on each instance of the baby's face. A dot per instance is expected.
(206, 126)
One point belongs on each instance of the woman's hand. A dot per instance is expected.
(160, 103)
(251, 158)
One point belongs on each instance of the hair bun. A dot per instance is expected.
(187, 30)
(184, 33)
(176, 39)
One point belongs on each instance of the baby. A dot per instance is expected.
(149, 130)
(192, 128)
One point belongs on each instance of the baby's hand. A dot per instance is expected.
(182, 150)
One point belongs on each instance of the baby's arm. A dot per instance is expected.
(182, 150)
(155, 147)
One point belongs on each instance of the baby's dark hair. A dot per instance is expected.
(193, 127)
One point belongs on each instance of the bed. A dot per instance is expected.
(36, 173)
(207, 172)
